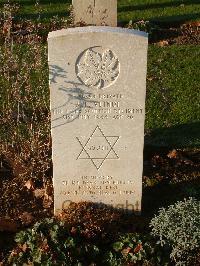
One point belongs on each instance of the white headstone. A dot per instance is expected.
(98, 86)
(95, 12)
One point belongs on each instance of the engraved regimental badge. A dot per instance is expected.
(97, 67)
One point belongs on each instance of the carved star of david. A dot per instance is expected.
(98, 148)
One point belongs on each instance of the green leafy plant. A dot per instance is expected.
(55, 242)
(178, 227)
(51, 243)
(131, 247)
(136, 249)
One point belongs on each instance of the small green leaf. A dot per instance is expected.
(118, 246)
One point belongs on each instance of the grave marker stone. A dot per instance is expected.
(95, 12)
(97, 87)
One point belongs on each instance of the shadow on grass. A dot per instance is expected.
(163, 195)
(175, 20)
(43, 15)
(168, 21)
(33, 2)
(181, 136)
(129, 8)
(187, 182)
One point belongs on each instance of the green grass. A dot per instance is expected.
(159, 11)
(44, 10)
(173, 95)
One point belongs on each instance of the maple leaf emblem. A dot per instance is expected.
(98, 70)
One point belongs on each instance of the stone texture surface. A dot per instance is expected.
(95, 12)
(98, 87)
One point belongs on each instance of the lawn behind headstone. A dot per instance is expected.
(172, 111)
(162, 11)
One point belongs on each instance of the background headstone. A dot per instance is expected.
(98, 86)
(95, 12)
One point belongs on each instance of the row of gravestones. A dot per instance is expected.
(97, 88)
